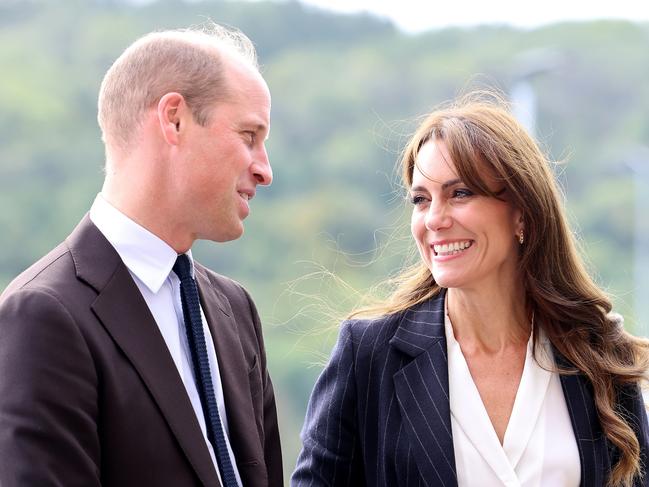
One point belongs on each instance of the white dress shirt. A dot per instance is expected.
(149, 261)
(539, 447)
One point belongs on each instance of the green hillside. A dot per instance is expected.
(347, 90)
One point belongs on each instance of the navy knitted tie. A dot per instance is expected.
(196, 339)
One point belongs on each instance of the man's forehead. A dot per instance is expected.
(246, 86)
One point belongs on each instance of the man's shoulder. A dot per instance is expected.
(47, 272)
(238, 298)
(85, 256)
(223, 283)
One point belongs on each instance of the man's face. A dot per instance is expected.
(225, 160)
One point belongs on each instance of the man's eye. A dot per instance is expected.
(251, 136)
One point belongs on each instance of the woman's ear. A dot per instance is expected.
(519, 227)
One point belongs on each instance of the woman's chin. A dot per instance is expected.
(448, 281)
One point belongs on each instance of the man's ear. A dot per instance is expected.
(171, 108)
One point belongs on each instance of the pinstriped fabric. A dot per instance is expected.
(355, 404)
(426, 412)
(592, 446)
(379, 413)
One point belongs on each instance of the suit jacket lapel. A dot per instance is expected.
(126, 316)
(233, 367)
(422, 391)
(591, 443)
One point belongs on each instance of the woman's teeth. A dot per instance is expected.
(452, 248)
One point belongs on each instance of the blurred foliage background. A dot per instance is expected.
(347, 91)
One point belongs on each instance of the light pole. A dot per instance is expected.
(527, 66)
(638, 162)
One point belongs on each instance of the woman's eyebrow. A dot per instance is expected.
(445, 185)
(451, 182)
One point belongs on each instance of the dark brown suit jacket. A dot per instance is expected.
(89, 394)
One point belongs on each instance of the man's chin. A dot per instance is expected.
(226, 235)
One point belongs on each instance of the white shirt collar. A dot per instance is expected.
(528, 455)
(146, 256)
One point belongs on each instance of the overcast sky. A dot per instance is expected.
(418, 15)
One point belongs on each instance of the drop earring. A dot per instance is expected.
(521, 237)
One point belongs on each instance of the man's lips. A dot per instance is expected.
(246, 194)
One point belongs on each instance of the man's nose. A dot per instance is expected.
(261, 167)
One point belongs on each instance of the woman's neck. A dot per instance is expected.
(488, 320)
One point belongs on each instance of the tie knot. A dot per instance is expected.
(183, 267)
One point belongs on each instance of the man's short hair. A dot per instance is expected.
(185, 61)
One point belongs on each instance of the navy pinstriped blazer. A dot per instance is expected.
(379, 414)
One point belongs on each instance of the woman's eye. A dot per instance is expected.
(417, 200)
(460, 193)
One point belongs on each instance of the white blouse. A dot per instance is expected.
(539, 447)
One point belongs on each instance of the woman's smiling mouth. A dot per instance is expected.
(451, 248)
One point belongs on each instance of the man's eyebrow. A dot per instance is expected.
(252, 122)
(257, 127)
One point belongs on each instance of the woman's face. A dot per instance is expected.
(466, 240)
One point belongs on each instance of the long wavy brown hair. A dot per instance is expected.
(575, 314)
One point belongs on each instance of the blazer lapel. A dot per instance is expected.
(126, 316)
(233, 367)
(585, 423)
(422, 391)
